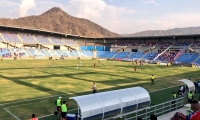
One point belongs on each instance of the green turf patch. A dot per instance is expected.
(32, 79)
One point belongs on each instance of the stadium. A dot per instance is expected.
(134, 77)
(25, 44)
(39, 44)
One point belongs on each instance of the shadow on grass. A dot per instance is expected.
(37, 87)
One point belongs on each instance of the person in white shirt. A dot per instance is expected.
(94, 88)
(77, 66)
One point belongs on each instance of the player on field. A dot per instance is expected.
(135, 69)
(103, 63)
(152, 80)
(77, 66)
(52, 62)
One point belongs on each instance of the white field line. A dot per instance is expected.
(164, 88)
(31, 99)
(11, 114)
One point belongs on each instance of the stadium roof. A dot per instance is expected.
(38, 30)
(27, 28)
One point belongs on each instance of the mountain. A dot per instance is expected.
(175, 31)
(57, 20)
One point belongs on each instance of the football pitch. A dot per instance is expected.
(32, 86)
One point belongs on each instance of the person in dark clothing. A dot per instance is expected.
(153, 117)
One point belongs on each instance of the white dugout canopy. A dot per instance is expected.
(190, 85)
(110, 104)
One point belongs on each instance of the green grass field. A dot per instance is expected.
(32, 86)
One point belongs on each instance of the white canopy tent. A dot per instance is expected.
(190, 85)
(112, 103)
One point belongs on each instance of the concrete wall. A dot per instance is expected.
(3, 45)
(63, 48)
(76, 47)
(49, 46)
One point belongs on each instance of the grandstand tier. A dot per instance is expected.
(43, 44)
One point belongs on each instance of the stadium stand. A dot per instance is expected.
(53, 53)
(182, 43)
(37, 54)
(1, 39)
(196, 44)
(187, 58)
(198, 61)
(57, 41)
(121, 55)
(45, 52)
(136, 55)
(28, 39)
(43, 40)
(165, 43)
(88, 53)
(5, 53)
(70, 42)
(105, 54)
(38, 45)
(11, 37)
(19, 52)
(64, 53)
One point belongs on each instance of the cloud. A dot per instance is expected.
(25, 6)
(9, 9)
(114, 18)
(149, 1)
(44, 5)
(99, 12)
(166, 21)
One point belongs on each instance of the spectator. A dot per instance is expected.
(195, 106)
(178, 116)
(189, 112)
(153, 117)
(33, 117)
(139, 119)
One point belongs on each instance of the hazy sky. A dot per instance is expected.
(120, 16)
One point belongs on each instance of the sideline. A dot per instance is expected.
(164, 88)
(11, 114)
(32, 99)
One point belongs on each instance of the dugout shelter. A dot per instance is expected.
(110, 104)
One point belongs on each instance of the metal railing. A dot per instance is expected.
(158, 110)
